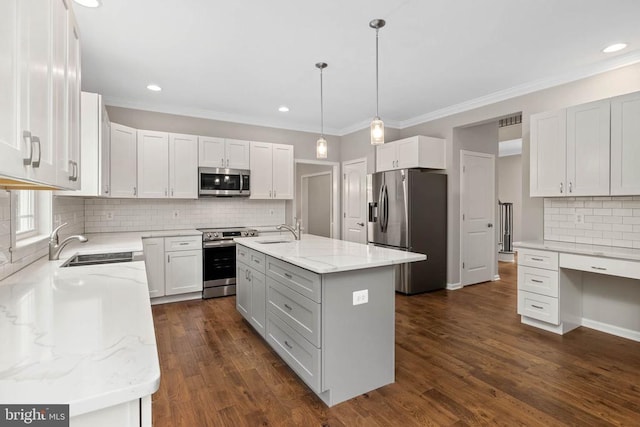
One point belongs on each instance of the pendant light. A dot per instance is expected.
(377, 125)
(321, 144)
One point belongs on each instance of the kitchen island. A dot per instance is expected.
(326, 306)
(81, 336)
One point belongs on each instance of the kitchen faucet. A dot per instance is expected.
(55, 248)
(295, 231)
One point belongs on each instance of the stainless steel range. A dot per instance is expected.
(219, 260)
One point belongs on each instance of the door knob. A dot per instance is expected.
(361, 224)
(490, 225)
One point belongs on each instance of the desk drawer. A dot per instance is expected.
(187, 243)
(594, 264)
(538, 306)
(538, 259)
(297, 311)
(538, 280)
(296, 351)
(300, 280)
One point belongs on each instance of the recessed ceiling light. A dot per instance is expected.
(283, 109)
(89, 3)
(614, 47)
(154, 88)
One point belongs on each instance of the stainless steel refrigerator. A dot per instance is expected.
(408, 211)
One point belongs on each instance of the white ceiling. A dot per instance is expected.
(239, 60)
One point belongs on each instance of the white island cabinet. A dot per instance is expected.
(326, 307)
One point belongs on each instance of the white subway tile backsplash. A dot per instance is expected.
(609, 221)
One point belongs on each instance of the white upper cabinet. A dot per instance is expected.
(95, 148)
(37, 123)
(153, 164)
(588, 128)
(12, 144)
(548, 151)
(282, 171)
(271, 171)
(183, 166)
(223, 153)
(123, 164)
(74, 95)
(625, 144)
(414, 152)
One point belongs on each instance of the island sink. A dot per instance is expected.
(106, 258)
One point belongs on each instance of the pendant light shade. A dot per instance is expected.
(377, 125)
(321, 144)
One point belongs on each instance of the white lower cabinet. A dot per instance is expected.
(173, 265)
(251, 287)
(135, 413)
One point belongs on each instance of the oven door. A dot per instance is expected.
(223, 182)
(219, 270)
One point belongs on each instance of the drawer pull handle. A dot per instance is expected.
(537, 259)
(287, 344)
(184, 243)
(256, 261)
(537, 306)
(288, 276)
(287, 307)
(536, 281)
(599, 268)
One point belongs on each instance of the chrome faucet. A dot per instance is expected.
(295, 231)
(55, 248)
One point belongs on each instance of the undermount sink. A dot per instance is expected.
(271, 242)
(107, 258)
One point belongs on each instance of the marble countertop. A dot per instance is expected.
(81, 336)
(322, 255)
(582, 249)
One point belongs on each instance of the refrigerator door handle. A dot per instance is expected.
(381, 207)
(386, 208)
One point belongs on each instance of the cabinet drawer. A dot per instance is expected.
(538, 280)
(300, 280)
(296, 351)
(539, 259)
(594, 264)
(187, 243)
(257, 260)
(243, 254)
(297, 311)
(538, 306)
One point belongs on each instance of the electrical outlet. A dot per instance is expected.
(579, 219)
(361, 297)
(271, 212)
(176, 214)
(109, 215)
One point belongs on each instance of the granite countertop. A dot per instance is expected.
(322, 255)
(582, 249)
(81, 336)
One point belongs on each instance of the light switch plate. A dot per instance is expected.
(361, 297)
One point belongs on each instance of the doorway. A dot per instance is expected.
(354, 200)
(320, 183)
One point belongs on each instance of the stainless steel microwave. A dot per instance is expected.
(220, 182)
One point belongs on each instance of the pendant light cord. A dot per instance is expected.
(321, 107)
(377, 95)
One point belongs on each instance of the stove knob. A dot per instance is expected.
(243, 234)
(215, 234)
(208, 235)
(252, 233)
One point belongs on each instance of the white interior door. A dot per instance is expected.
(354, 200)
(477, 206)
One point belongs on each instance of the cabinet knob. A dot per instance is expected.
(570, 187)
(135, 191)
(561, 188)
(36, 140)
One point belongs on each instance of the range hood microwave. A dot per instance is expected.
(220, 182)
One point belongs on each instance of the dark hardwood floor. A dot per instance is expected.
(462, 358)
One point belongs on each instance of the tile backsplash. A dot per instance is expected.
(607, 221)
(117, 215)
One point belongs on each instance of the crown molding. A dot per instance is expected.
(527, 88)
(364, 124)
(212, 115)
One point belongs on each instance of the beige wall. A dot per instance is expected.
(612, 83)
(319, 205)
(304, 142)
(510, 189)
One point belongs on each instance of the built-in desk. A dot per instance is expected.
(562, 286)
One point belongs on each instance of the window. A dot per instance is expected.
(26, 212)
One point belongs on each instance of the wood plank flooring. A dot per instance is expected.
(462, 358)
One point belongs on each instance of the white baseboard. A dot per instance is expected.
(611, 329)
(506, 257)
(454, 286)
(176, 298)
(496, 277)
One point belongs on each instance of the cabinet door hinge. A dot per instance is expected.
(463, 217)
(463, 265)
(345, 176)
(464, 168)
(344, 214)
